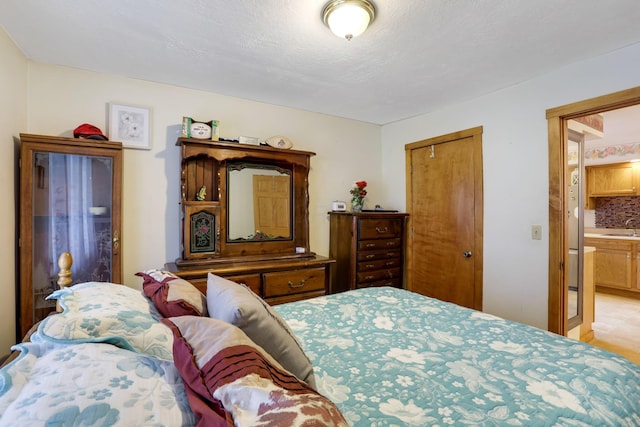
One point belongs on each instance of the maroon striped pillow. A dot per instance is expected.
(228, 375)
(171, 295)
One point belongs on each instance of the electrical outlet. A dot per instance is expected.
(536, 232)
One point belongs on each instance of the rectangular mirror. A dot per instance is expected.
(259, 200)
(575, 214)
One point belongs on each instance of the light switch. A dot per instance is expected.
(536, 232)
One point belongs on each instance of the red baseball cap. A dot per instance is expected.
(88, 131)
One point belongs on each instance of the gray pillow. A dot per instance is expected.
(237, 304)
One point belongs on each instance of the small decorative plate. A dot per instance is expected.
(279, 142)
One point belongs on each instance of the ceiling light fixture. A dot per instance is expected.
(348, 18)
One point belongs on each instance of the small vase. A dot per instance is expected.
(356, 205)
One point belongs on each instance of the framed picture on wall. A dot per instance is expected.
(130, 125)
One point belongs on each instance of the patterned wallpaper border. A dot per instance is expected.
(612, 154)
(614, 150)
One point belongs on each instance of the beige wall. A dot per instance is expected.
(13, 119)
(61, 98)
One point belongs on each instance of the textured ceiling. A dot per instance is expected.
(416, 57)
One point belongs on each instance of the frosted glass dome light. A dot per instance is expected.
(348, 18)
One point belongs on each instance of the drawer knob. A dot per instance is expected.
(382, 230)
(390, 243)
(370, 256)
(370, 245)
(368, 278)
(294, 286)
(369, 265)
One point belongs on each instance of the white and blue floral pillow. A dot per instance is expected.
(90, 384)
(106, 312)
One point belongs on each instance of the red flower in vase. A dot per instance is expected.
(358, 194)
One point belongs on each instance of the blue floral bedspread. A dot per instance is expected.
(90, 384)
(389, 357)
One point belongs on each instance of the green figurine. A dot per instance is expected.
(202, 193)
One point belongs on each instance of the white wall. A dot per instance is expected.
(515, 163)
(61, 98)
(13, 119)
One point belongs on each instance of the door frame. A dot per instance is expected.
(476, 135)
(557, 118)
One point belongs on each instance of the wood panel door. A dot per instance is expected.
(444, 200)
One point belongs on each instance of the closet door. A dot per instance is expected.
(444, 198)
(70, 202)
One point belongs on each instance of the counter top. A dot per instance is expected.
(585, 249)
(605, 233)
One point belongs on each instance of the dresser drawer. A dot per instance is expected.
(387, 282)
(379, 244)
(379, 228)
(293, 282)
(374, 255)
(200, 284)
(379, 264)
(293, 297)
(251, 280)
(372, 276)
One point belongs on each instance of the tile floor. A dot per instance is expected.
(617, 325)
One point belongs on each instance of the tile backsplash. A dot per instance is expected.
(612, 212)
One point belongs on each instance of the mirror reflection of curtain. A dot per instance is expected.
(70, 223)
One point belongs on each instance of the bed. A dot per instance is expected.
(386, 356)
(370, 357)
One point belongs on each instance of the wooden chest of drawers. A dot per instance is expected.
(368, 248)
(276, 282)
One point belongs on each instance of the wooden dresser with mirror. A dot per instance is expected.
(245, 216)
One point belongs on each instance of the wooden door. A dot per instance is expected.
(444, 200)
(271, 195)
